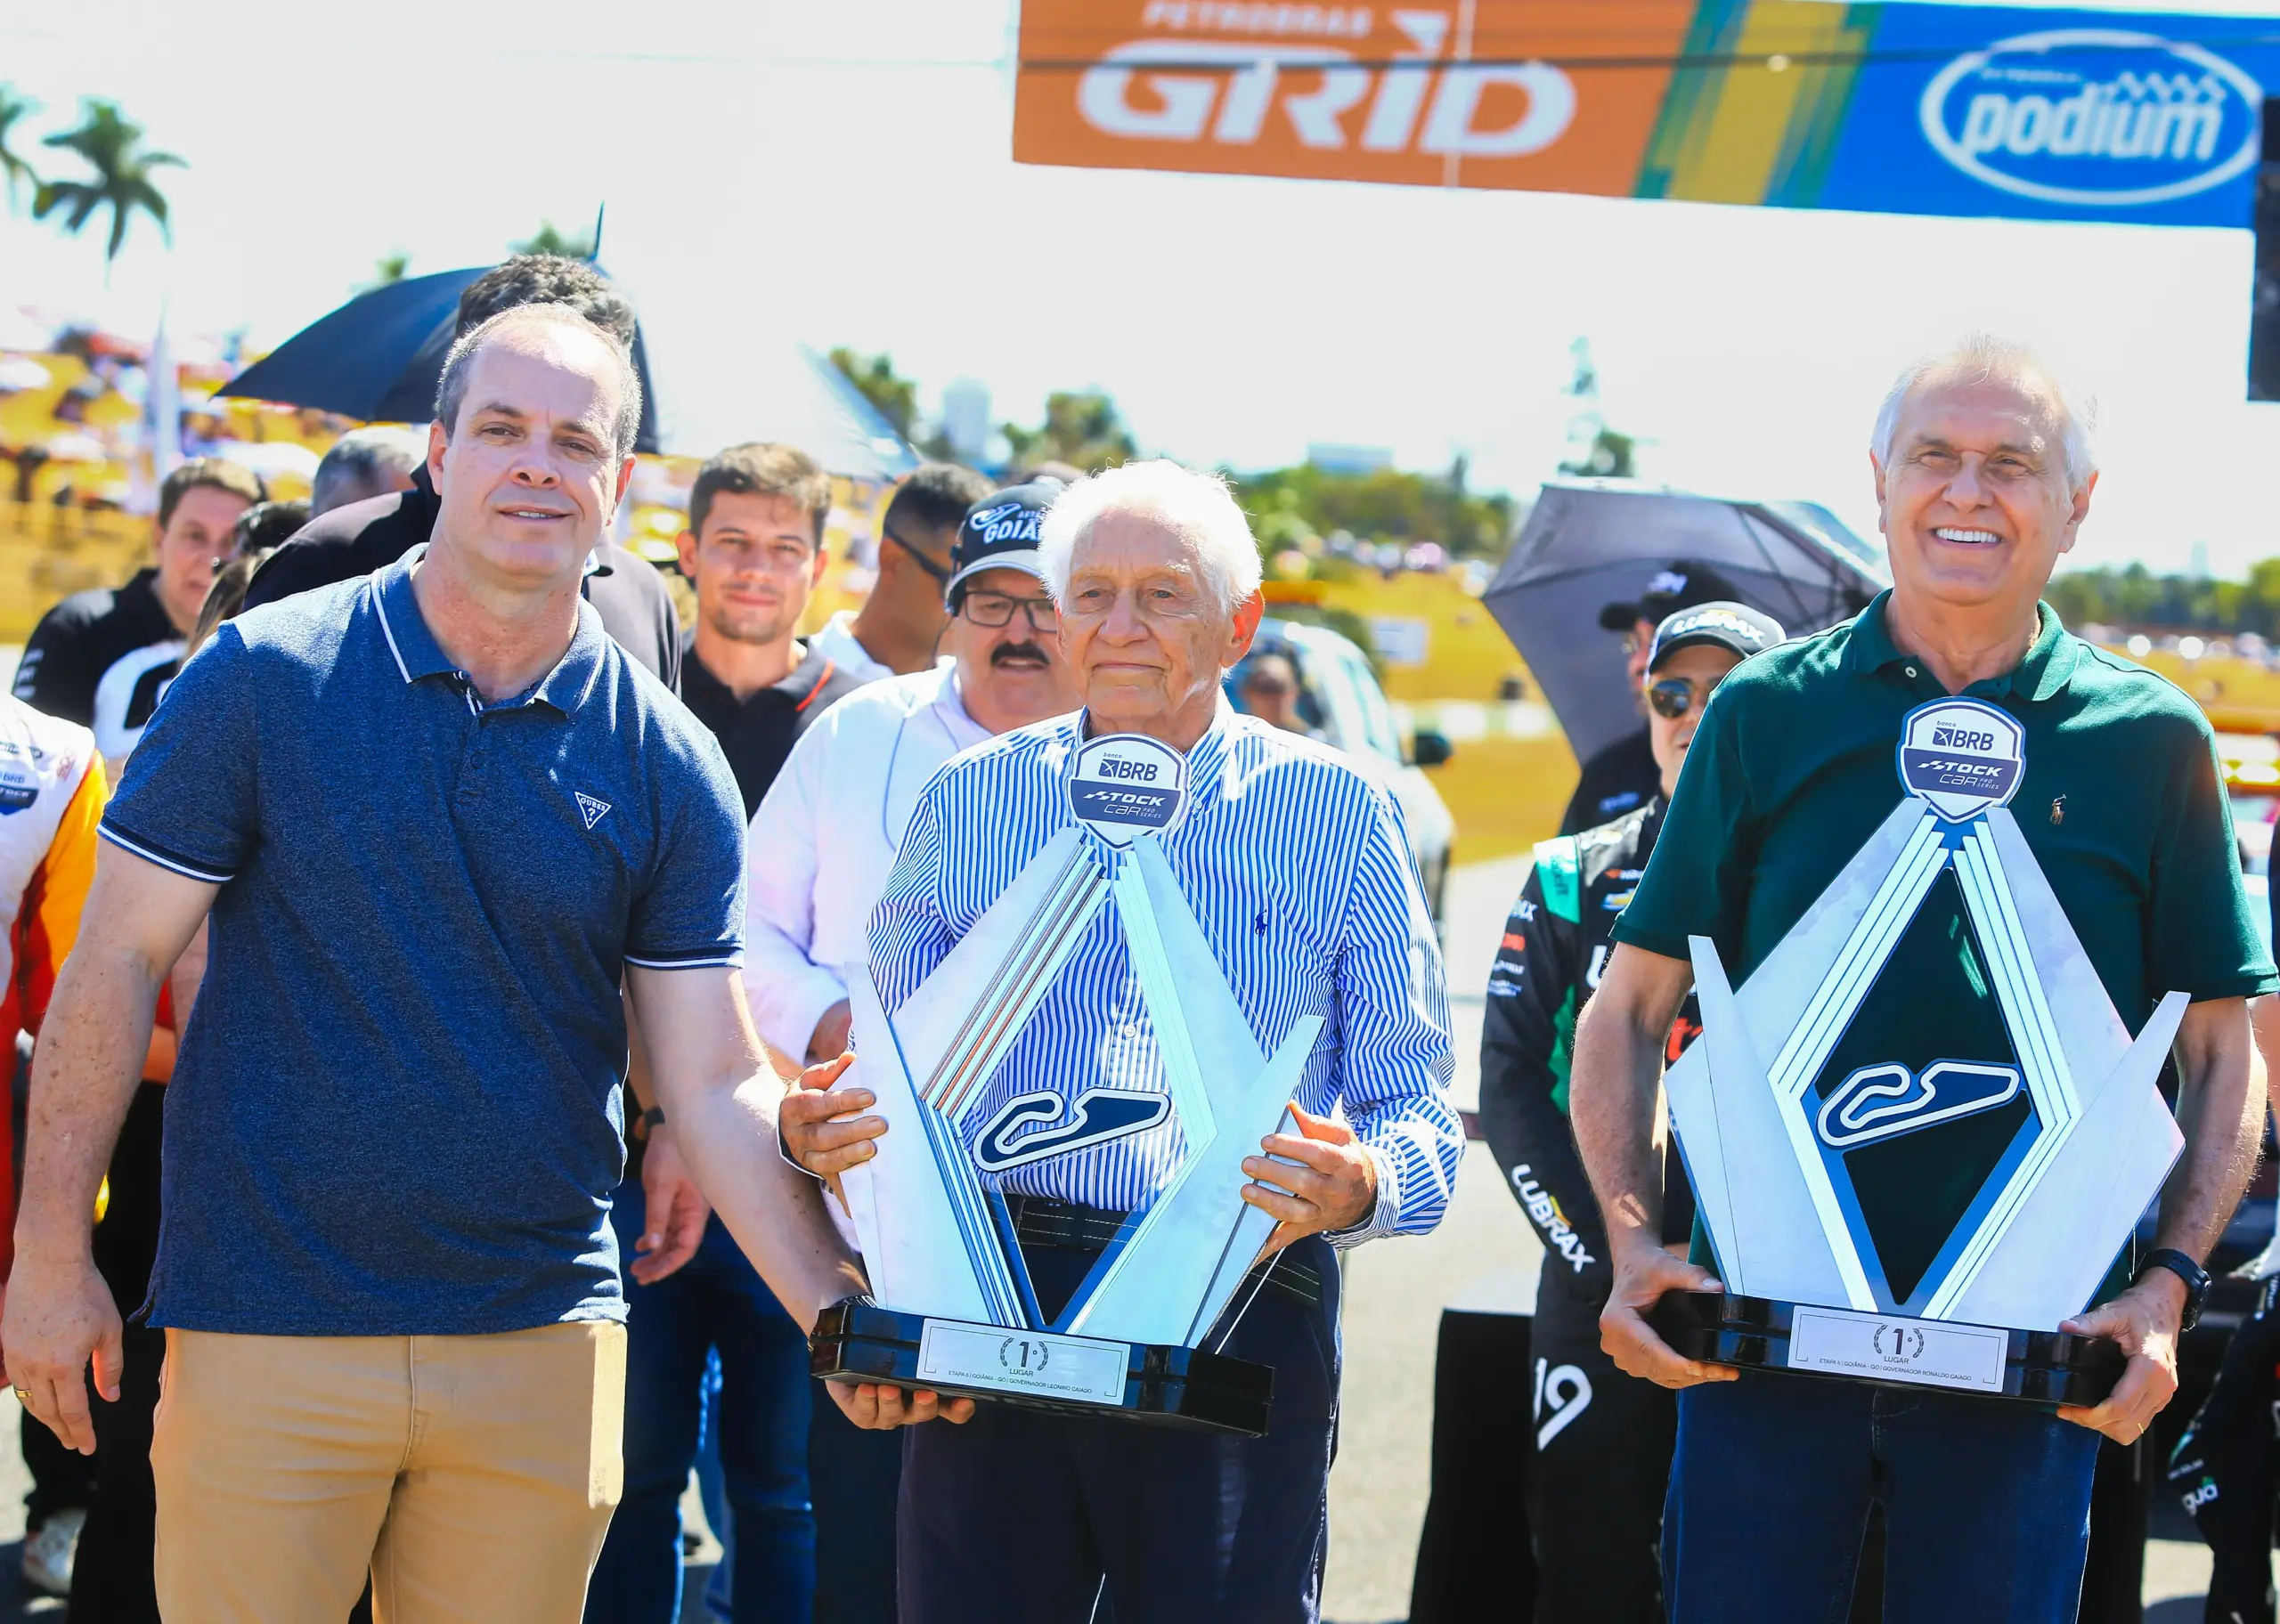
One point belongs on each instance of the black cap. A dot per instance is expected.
(1735, 626)
(1681, 586)
(999, 532)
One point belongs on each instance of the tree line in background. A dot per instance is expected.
(2134, 598)
(1286, 506)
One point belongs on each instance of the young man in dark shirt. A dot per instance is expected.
(361, 537)
(103, 658)
(1603, 1439)
(754, 551)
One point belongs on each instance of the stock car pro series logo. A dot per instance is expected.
(1961, 756)
(1126, 785)
(2095, 117)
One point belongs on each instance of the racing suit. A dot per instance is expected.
(1603, 1439)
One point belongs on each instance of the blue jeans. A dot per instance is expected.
(716, 1300)
(1986, 1502)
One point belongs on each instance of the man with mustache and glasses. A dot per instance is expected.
(1603, 1439)
(819, 852)
(753, 553)
(1984, 468)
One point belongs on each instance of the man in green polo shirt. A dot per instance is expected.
(1984, 473)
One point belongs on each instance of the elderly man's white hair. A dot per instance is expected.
(1198, 506)
(1979, 358)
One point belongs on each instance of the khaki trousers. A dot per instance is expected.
(472, 1476)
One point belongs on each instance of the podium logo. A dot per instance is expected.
(1880, 1102)
(2096, 117)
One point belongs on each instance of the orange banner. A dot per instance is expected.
(1540, 95)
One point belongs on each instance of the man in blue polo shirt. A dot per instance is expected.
(437, 818)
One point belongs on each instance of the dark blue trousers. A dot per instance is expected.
(1986, 1502)
(1018, 1517)
(715, 1300)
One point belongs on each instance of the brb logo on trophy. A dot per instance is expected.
(956, 1310)
(1962, 757)
(1920, 1133)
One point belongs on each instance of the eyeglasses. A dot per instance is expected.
(1673, 696)
(994, 609)
(941, 576)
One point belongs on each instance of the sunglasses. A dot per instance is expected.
(1673, 696)
(941, 576)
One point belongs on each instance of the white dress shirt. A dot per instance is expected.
(821, 845)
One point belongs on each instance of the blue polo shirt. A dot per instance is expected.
(398, 1108)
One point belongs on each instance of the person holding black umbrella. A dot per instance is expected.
(361, 537)
(1624, 776)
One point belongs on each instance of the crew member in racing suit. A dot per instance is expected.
(1603, 1439)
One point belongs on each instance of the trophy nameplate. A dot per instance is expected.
(2061, 1135)
(954, 1310)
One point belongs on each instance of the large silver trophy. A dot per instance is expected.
(1781, 1121)
(953, 1309)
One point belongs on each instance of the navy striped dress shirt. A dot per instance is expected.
(1298, 871)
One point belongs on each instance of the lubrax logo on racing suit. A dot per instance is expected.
(1543, 1206)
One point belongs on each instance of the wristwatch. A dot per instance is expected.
(2195, 1279)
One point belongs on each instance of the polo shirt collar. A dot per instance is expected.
(417, 654)
(798, 686)
(2044, 670)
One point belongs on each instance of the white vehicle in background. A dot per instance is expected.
(1340, 698)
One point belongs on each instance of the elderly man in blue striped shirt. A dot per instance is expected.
(1298, 871)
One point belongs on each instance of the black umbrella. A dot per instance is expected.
(380, 357)
(1588, 543)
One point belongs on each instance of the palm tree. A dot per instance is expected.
(14, 168)
(112, 147)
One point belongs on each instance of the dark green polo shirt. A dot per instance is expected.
(2122, 804)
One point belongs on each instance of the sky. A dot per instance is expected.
(840, 172)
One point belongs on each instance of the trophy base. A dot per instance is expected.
(1760, 1334)
(1073, 1375)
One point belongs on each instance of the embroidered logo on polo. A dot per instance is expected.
(589, 808)
(1101, 1115)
